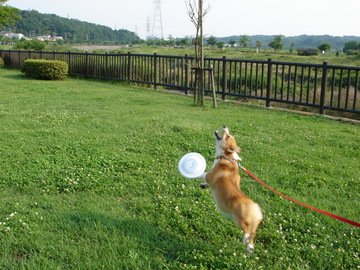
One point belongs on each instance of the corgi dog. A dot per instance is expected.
(224, 183)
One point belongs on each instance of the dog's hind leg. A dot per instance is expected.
(245, 228)
(249, 235)
(250, 243)
(249, 224)
(256, 219)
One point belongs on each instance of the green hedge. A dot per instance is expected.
(45, 69)
(1, 63)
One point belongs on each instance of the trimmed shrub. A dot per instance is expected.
(1, 63)
(45, 69)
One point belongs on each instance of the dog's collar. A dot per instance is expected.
(229, 159)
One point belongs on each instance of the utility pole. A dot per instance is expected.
(148, 28)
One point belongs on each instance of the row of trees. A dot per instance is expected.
(351, 47)
(276, 44)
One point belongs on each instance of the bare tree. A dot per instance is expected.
(196, 13)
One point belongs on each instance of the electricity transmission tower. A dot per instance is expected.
(148, 28)
(157, 27)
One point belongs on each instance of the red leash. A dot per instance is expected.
(310, 207)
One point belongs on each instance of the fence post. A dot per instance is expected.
(86, 64)
(69, 61)
(155, 71)
(269, 82)
(187, 67)
(224, 81)
(129, 67)
(323, 87)
(106, 66)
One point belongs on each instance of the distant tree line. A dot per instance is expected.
(277, 43)
(303, 41)
(33, 23)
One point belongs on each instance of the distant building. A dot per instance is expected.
(12, 35)
(48, 38)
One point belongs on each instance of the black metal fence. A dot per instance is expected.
(322, 86)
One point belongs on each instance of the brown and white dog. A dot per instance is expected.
(224, 183)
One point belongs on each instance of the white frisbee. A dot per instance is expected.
(192, 165)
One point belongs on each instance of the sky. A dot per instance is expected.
(225, 17)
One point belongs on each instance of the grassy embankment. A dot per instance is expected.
(89, 180)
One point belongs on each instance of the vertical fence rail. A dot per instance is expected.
(269, 83)
(322, 86)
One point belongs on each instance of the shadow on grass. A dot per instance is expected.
(19, 76)
(133, 241)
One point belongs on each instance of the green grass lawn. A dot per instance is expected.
(89, 180)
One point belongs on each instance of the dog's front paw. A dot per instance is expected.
(204, 185)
